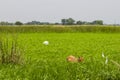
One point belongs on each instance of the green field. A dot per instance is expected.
(48, 62)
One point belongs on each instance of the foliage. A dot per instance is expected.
(5, 23)
(33, 23)
(18, 23)
(97, 22)
(37, 23)
(60, 29)
(9, 52)
(68, 21)
(79, 23)
(63, 21)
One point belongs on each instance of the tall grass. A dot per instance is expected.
(59, 29)
(9, 51)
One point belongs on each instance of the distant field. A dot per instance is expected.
(48, 62)
(60, 29)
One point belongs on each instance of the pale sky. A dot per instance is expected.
(55, 10)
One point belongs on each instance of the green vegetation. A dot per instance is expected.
(69, 21)
(59, 29)
(18, 23)
(9, 51)
(48, 62)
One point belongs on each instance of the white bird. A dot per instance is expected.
(103, 55)
(106, 61)
(46, 42)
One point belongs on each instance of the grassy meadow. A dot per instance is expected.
(48, 62)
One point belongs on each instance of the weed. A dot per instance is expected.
(9, 52)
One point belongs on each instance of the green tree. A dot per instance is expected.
(63, 21)
(97, 22)
(5, 23)
(70, 21)
(79, 22)
(18, 23)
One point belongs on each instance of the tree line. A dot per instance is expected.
(68, 21)
(71, 21)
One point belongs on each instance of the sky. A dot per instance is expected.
(55, 10)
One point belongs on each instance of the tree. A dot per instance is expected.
(35, 23)
(70, 21)
(79, 22)
(5, 23)
(18, 23)
(97, 22)
(63, 21)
